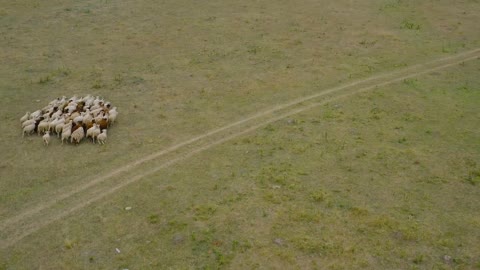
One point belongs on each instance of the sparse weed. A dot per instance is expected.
(153, 219)
(410, 25)
(45, 79)
(204, 212)
(318, 196)
(418, 259)
(359, 212)
(473, 178)
(69, 243)
(98, 84)
(254, 49)
(56, 74)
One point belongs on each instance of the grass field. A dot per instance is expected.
(251, 135)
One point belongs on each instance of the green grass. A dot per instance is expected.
(387, 179)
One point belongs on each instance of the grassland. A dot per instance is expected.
(385, 179)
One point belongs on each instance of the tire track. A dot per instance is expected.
(24, 229)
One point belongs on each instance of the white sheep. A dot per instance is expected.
(102, 137)
(112, 115)
(66, 131)
(57, 114)
(43, 126)
(74, 115)
(93, 132)
(99, 117)
(59, 128)
(46, 138)
(72, 106)
(87, 118)
(53, 123)
(36, 114)
(79, 119)
(67, 126)
(25, 117)
(66, 134)
(28, 122)
(28, 129)
(62, 115)
(77, 135)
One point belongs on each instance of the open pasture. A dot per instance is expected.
(251, 135)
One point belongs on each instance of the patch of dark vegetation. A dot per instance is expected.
(54, 75)
(410, 25)
(473, 177)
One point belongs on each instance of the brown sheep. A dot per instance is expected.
(103, 124)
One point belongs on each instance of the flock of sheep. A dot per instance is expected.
(75, 118)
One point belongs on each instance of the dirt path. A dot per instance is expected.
(31, 220)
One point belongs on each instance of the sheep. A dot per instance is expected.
(77, 136)
(90, 124)
(87, 118)
(112, 115)
(99, 116)
(43, 126)
(102, 137)
(80, 106)
(71, 119)
(66, 134)
(103, 123)
(25, 117)
(72, 106)
(46, 138)
(57, 114)
(28, 122)
(89, 101)
(86, 98)
(79, 119)
(37, 122)
(93, 132)
(67, 126)
(73, 115)
(66, 131)
(35, 114)
(59, 127)
(28, 129)
(77, 126)
(53, 124)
